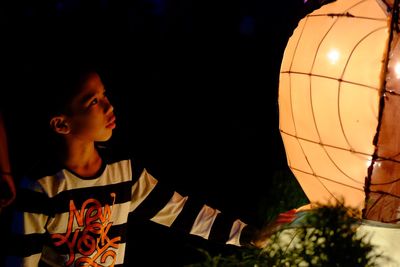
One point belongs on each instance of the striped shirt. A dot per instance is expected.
(66, 220)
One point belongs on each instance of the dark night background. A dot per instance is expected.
(194, 85)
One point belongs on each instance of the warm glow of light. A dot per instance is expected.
(368, 162)
(339, 108)
(333, 56)
(397, 70)
(329, 99)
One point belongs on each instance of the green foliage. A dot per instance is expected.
(282, 194)
(248, 257)
(325, 236)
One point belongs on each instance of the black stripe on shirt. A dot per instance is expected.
(34, 202)
(137, 169)
(155, 201)
(43, 264)
(122, 194)
(221, 228)
(188, 215)
(26, 245)
(114, 232)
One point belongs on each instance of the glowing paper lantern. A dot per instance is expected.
(339, 106)
(339, 112)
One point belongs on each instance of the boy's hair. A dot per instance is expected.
(55, 83)
(63, 83)
(43, 86)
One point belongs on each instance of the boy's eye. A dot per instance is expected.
(94, 102)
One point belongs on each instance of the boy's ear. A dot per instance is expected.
(59, 125)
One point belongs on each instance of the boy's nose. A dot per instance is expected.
(108, 107)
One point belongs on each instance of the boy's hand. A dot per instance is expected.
(262, 236)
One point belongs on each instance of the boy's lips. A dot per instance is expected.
(111, 123)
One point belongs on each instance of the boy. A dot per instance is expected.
(74, 211)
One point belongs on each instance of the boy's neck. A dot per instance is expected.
(82, 159)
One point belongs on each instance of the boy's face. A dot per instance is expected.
(91, 117)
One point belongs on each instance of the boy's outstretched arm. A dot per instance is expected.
(258, 238)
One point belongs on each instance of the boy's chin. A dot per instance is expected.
(105, 138)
